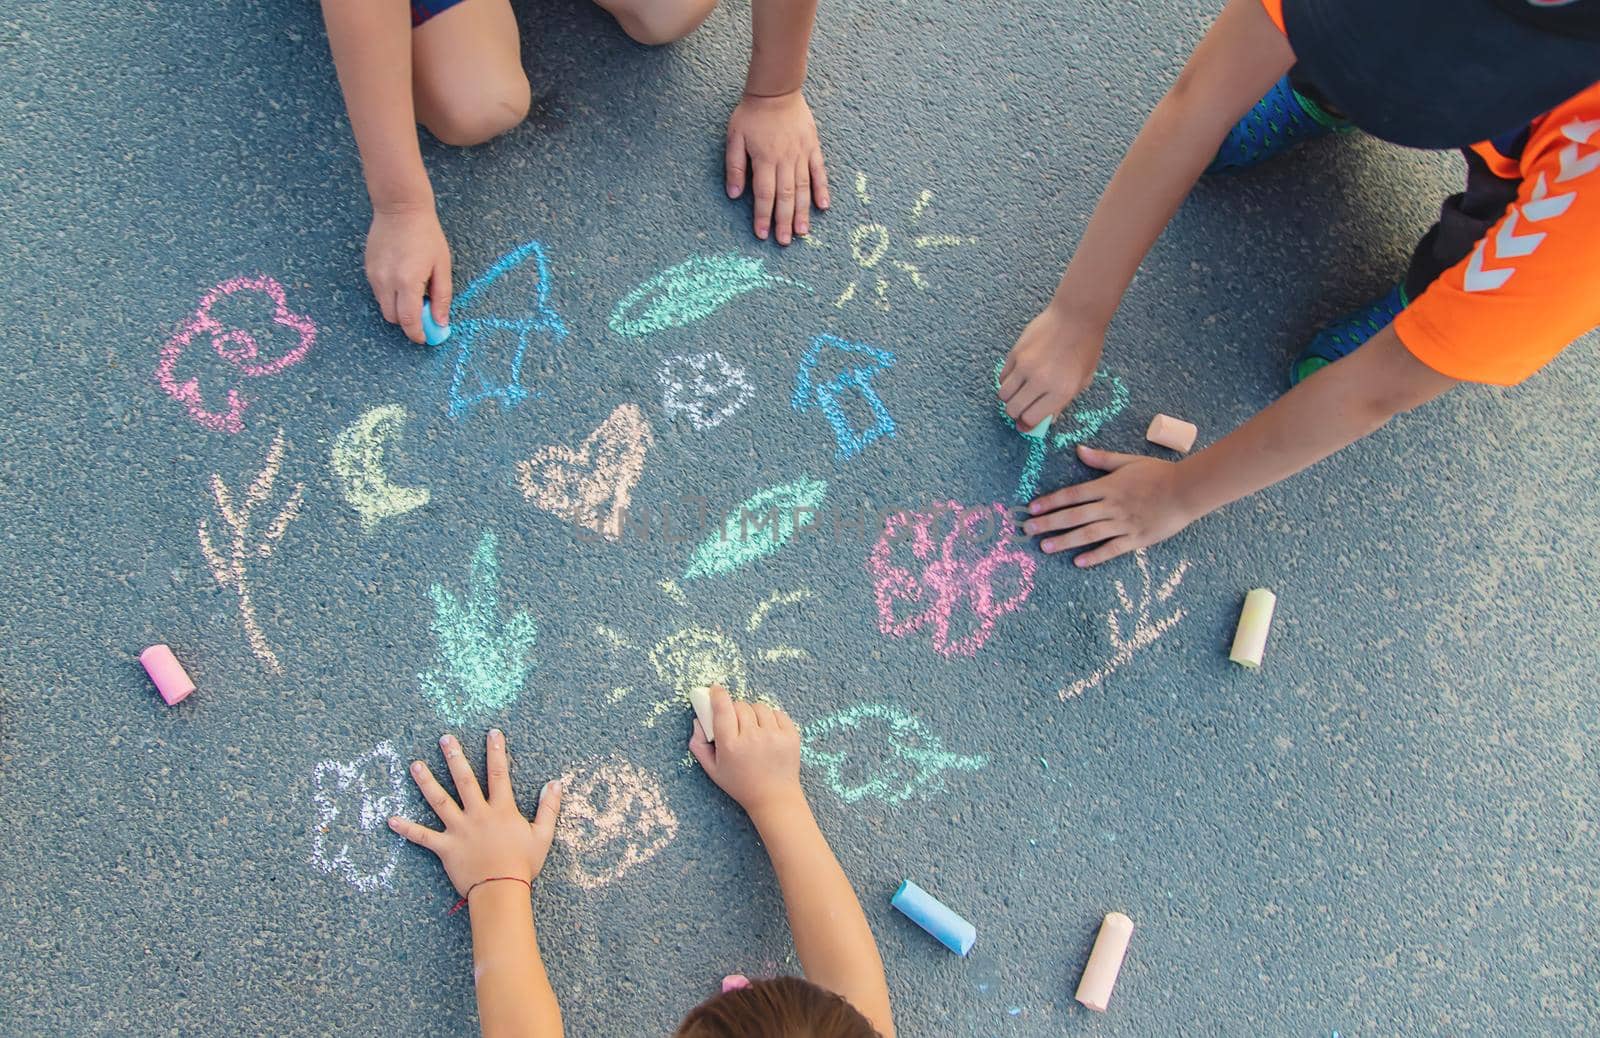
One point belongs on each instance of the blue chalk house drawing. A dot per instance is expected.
(861, 362)
(482, 372)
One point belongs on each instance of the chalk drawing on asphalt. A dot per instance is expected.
(590, 485)
(1094, 408)
(877, 258)
(614, 818)
(704, 388)
(761, 525)
(835, 376)
(354, 801)
(880, 751)
(1141, 629)
(691, 291)
(483, 658)
(491, 343)
(359, 461)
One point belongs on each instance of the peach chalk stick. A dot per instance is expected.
(1167, 431)
(171, 680)
(1105, 962)
(700, 699)
(1250, 640)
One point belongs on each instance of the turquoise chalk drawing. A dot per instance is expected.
(859, 362)
(762, 524)
(484, 660)
(1080, 425)
(691, 291)
(880, 751)
(477, 376)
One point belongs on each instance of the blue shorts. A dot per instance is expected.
(422, 10)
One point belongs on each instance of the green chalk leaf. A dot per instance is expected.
(761, 525)
(694, 289)
(484, 660)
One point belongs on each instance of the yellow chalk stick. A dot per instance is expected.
(1250, 640)
(700, 699)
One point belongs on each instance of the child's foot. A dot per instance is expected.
(1279, 121)
(1343, 336)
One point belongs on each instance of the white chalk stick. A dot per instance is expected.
(1105, 962)
(1174, 433)
(700, 699)
(1038, 432)
(1250, 640)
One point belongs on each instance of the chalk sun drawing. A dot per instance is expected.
(703, 388)
(228, 568)
(870, 247)
(1145, 632)
(472, 379)
(351, 837)
(778, 512)
(358, 462)
(591, 485)
(849, 748)
(483, 660)
(614, 818)
(691, 291)
(855, 363)
(237, 346)
(1085, 423)
(942, 574)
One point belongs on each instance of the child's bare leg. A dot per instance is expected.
(466, 72)
(658, 21)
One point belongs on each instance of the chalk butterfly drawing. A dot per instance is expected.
(880, 751)
(358, 461)
(1076, 427)
(1145, 631)
(614, 818)
(703, 388)
(924, 579)
(490, 347)
(845, 377)
(240, 348)
(484, 660)
(591, 485)
(351, 837)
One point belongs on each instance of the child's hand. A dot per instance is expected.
(1141, 502)
(756, 758)
(1053, 360)
(777, 138)
(408, 258)
(482, 838)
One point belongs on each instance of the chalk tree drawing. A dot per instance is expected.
(942, 574)
(694, 289)
(880, 751)
(483, 660)
(614, 818)
(228, 568)
(870, 248)
(592, 484)
(351, 837)
(358, 462)
(703, 388)
(238, 347)
(856, 364)
(490, 348)
(762, 524)
(1078, 426)
(1144, 631)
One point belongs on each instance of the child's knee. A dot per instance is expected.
(655, 22)
(472, 115)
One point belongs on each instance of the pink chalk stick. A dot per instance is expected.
(172, 681)
(734, 981)
(1171, 432)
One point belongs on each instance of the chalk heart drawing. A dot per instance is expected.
(1077, 426)
(491, 346)
(354, 800)
(614, 818)
(857, 364)
(238, 347)
(358, 462)
(879, 751)
(703, 388)
(484, 659)
(591, 485)
(762, 524)
(938, 573)
(875, 256)
(1142, 629)
(691, 291)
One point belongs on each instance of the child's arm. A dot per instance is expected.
(1240, 57)
(1144, 500)
(756, 760)
(492, 855)
(407, 255)
(771, 130)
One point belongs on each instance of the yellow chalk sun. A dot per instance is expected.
(870, 246)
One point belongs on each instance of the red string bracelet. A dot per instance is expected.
(491, 879)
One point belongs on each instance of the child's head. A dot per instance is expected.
(784, 1007)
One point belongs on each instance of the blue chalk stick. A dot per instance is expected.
(434, 332)
(933, 916)
(1038, 431)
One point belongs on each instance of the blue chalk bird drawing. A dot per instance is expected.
(859, 363)
(477, 377)
(880, 751)
(484, 660)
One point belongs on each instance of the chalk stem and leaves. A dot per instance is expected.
(1130, 626)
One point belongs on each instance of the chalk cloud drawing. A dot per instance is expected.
(591, 485)
(703, 388)
(490, 347)
(855, 363)
(691, 291)
(358, 462)
(351, 838)
(880, 751)
(1078, 426)
(484, 660)
(238, 347)
(1144, 630)
(228, 568)
(870, 247)
(944, 573)
(614, 818)
(762, 524)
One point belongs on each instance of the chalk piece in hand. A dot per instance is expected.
(434, 332)
(1105, 961)
(935, 917)
(1167, 431)
(1038, 432)
(171, 680)
(700, 699)
(1250, 640)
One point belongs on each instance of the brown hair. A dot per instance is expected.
(783, 1007)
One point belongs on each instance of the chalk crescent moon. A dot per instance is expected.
(358, 461)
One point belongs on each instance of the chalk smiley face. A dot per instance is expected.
(590, 485)
(614, 817)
